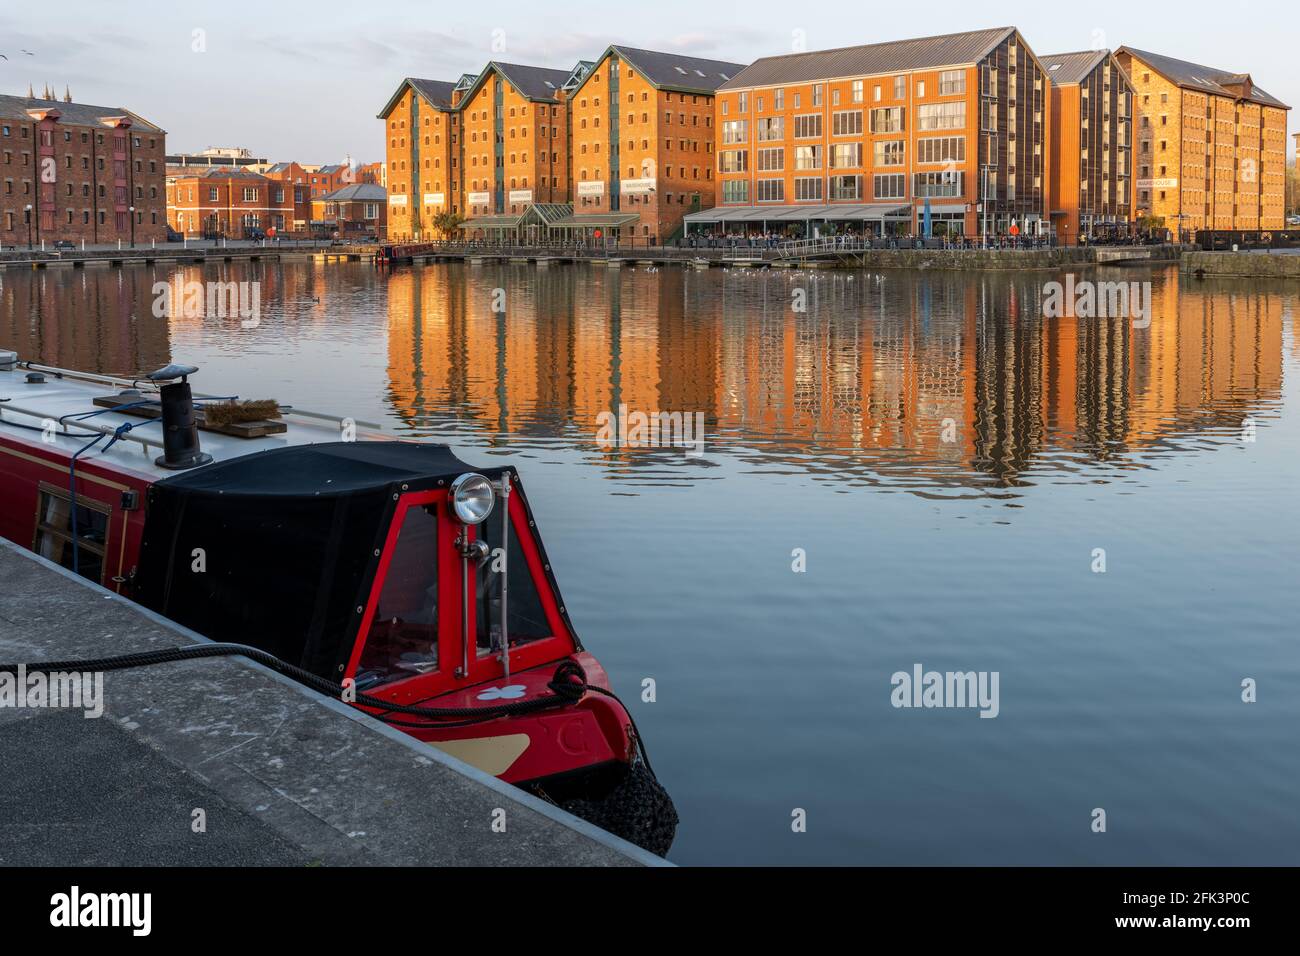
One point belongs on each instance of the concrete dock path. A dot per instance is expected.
(281, 774)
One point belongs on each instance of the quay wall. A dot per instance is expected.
(1241, 264)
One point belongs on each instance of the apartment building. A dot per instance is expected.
(227, 202)
(642, 142)
(72, 171)
(881, 139)
(1090, 180)
(1211, 146)
(421, 149)
(514, 144)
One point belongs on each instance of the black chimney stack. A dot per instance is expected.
(180, 431)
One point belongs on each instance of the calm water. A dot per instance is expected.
(826, 432)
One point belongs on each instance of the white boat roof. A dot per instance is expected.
(67, 393)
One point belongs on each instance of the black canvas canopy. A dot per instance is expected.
(287, 541)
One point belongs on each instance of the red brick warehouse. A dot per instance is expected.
(78, 172)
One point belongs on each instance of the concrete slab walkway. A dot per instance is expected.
(281, 774)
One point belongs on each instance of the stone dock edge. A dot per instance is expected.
(283, 775)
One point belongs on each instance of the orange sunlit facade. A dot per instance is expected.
(1091, 181)
(1211, 146)
(862, 139)
(513, 148)
(643, 141)
(421, 133)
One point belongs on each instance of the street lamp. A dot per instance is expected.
(131, 209)
(28, 210)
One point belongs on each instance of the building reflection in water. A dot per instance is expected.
(102, 319)
(920, 381)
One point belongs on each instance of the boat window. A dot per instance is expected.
(54, 532)
(403, 637)
(527, 618)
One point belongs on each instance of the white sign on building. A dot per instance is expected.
(434, 199)
(479, 199)
(1157, 184)
(591, 187)
(633, 187)
(521, 195)
(397, 199)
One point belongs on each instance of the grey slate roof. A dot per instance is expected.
(1204, 79)
(896, 56)
(437, 92)
(73, 114)
(1068, 68)
(672, 70)
(357, 192)
(534, 82)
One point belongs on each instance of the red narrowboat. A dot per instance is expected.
(390, 572)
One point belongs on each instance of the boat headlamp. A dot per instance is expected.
(472, 498)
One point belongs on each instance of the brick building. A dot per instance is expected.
(1091, 168)
(331, 177)
(353, 211)
(79, 172)
(295, 178)
(642, 142)
(864, 138)
(490, 148)
(376, 174)
(1211, 146)
(421, 148)
(226, 202)
(514, 143)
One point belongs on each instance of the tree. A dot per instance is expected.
(1292, 189)
(447, 222)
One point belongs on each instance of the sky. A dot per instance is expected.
(304, 81)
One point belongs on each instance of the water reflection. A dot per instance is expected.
(935, 383)
(941, 384)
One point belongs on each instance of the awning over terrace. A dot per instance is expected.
(834, 212)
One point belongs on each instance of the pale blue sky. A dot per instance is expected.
(304, 81)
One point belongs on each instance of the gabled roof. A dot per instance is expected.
(357, 192)
(71, 114)
(896, 56)
(1066, 69)
(537, 83)
(672, 71)
(534, 82)
(1204, 79)
(436, 92)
